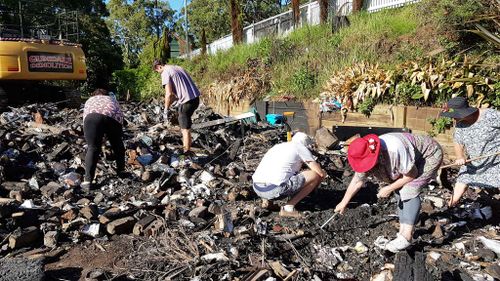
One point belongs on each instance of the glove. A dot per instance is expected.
(165, 115)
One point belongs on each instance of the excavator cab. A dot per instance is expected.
(32, 56)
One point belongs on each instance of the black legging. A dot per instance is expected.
(95, 126)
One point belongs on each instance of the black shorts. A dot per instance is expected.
(186, 110)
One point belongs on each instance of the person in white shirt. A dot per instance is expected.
(278, 174)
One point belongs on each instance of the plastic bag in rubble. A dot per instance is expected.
(91, 229)
(72, 179)
(145, 159)
(146, 140)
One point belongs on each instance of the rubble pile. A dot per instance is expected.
(172, 217)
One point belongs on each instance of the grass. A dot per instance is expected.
(301, 62)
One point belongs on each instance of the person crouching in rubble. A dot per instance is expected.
(477, 133)
(278, 174)
(178, 84)
(406, 162)
(102, 116)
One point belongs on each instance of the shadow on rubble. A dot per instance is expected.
(68, 273)
(326, 198)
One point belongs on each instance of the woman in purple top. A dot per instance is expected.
(102, 116)
(178, 84)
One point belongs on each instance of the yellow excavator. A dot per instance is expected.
(31, 60)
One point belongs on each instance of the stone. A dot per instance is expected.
(486, 254)
(70, 215)
(325, 139)
(89, 212)
(121, 226)
(50, 189)
(51, 239)
(199, 212)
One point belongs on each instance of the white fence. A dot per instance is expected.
(282, 24)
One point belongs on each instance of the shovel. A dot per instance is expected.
(442, 176)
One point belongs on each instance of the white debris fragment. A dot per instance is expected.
(91, 229)
(490, 244)
(434, 255)
(215, 257)
(360, 248)
(381, 242)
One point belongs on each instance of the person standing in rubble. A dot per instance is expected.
(477, 133)
(179, 85)
(278, 174)
(102, 116)
(406, 162)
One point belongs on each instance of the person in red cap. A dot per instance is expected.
(405, 162)
(477, 133)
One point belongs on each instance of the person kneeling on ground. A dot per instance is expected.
(278, 173)
(477, 133)
(406, 162)
(102, 116)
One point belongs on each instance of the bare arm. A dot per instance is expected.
(169, 95)
(314, 166)
(353, 188)
(459, 154)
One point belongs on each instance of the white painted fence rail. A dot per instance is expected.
(282, 24)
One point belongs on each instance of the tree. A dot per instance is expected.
(296, 12)
(209, 16)
(133, 24)
(323, 13)
(236, 24)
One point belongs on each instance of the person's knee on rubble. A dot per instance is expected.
(102, 116)
(405, 162)
(278, 174)
(179, 85)
(477, 133)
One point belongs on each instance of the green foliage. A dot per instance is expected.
(134, 23)
(302, 80)
(406, 93)
(367, 106)
(439, 125)
(141, 83)
(211, 15)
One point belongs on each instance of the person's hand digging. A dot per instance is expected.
(340, 208)
(384, 192)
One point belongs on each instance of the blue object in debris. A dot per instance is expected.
(275, 119)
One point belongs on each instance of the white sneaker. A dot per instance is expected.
(398, 244)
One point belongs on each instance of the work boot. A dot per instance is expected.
(398, 244)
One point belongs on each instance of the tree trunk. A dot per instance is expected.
(164, 48)
(357, 5)
(203, 42)
(323, 11)
(296, 12)
(236, 26)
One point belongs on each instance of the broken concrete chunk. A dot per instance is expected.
(16, 186)
(121, 226)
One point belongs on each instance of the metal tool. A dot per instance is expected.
(329, 220)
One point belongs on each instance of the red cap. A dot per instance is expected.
(363, 153)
